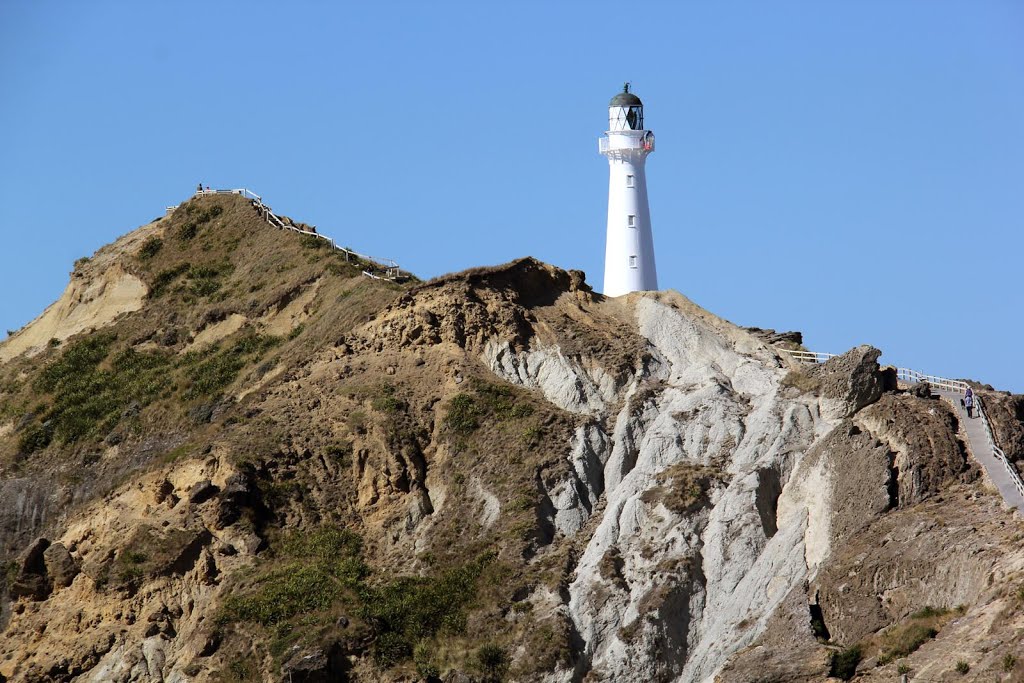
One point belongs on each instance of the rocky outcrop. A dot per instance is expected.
(921, 435)
(30, 577)
(1006, 414)
(61, 568)
(851, 381)
(98, 293)
(786, 340)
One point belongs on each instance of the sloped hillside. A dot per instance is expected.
(226, 455)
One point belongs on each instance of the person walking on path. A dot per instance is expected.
(969, 402)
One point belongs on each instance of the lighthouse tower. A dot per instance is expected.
(629, 246)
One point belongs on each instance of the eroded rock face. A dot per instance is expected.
(690, 474)
(721, 493)
(29, 506)
(921, 434)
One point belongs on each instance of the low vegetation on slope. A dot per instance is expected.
(318, 587)
(111, 399)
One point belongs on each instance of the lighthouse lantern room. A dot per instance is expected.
(629, 247)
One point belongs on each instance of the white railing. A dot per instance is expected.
(954, 385)
(913, 376)
(623, 142)
(248, 194)
(378, 268)
(809, 356)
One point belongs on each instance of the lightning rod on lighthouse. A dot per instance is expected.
(629, 246)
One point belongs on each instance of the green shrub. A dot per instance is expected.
(844, 663)
(35, 437)
(962, 667)
(500, 400)
(462, 416)
(294, 589)
(1009, 661)
(413, 608)
(319, 566)
(214, 373)
(314, 571)
(422, 658)
(89, 400)
(165, 278)
(385, 400)
(129, 567)
(206, 279)
(187, 231)
(239, 671)
(520, 411)
(531, 435)
(903, 669)
(492, 661)
(311, 242)
(150, 248)
(901, 641)
(929, 612)
(390, 648)
(465, 411)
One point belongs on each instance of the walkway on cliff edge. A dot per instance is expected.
(980, 439)
(984, 450)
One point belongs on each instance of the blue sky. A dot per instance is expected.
(853, 170)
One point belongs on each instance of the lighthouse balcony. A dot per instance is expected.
(617, 142)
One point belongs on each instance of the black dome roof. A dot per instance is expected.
(625, 99)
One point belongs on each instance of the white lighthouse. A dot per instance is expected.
(629, 247)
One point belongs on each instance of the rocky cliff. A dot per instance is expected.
(226, 455)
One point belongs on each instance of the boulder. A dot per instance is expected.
(849, 382)
(920, 390)
(323, 664)
(202, 491)
(60, 566)
(31, 580)
(236, 495)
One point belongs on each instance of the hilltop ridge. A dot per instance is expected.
(228, 455)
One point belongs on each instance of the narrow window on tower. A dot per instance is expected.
(632, 261)
(630, 181)
(631, 220)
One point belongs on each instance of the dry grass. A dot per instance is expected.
(803, 383)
